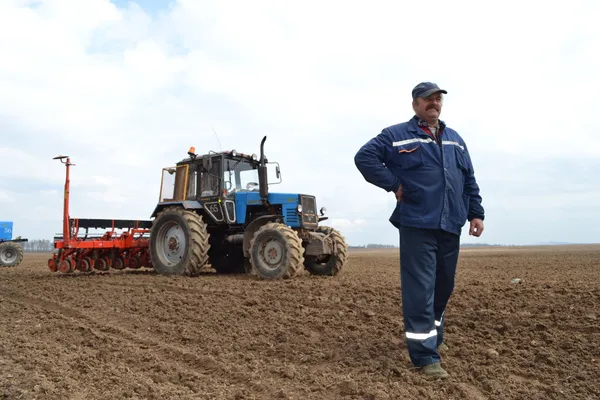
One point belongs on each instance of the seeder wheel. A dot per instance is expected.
(85, 264)
(66, 266)
(145, 260)
(102, 264)
(118, 263)
(52, 265)
(133, 262)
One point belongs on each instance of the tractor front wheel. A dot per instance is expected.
(329, 264)
(179, 242)
(276, 252)
(11, 254)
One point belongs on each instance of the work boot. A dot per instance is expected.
(442, 348)
(434, 370)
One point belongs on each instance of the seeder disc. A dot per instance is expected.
(66, 266)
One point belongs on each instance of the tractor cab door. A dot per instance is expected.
(209, 177)
(232, 183)
(211, 187)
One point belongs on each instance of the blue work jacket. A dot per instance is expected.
(437, 178)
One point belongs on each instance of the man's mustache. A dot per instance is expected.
(433, 107)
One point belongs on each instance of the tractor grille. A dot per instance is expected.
(309, 211)
(291, 217)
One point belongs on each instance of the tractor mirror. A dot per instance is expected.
(277, 172)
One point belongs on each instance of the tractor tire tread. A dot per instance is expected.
(199, 240)
(17, 248)
(340, 251)
(294, 248)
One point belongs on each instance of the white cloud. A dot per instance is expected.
(6, 197)
(125, 92)
(347, 224)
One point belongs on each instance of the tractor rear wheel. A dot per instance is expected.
(11, 254)
(179, 242)
(329, 264)
(276, 252)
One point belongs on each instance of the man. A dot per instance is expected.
(428, 167)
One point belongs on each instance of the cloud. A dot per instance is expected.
(347, 225)
(6, 197)
(125, 90)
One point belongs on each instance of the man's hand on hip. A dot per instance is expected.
(476, 228)
(399, 194)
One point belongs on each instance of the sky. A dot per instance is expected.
(125, 88)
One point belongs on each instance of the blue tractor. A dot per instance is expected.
(11, 254)
(220, 213)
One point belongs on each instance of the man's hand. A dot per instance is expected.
(399, 194)
(476, 227)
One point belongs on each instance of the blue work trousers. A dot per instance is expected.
(428, 260)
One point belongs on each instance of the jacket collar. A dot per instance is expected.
(415, 122)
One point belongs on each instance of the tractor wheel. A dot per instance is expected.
(179, 242)
(329, 264)
(276, 252)
(11, 254)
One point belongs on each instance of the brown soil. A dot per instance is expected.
(137, 335)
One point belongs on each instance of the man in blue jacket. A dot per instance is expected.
(427, 166)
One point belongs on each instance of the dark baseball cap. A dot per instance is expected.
(425, 89)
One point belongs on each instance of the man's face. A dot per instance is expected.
(428, 107)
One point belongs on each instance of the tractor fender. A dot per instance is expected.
(187, 204)
(253, 227)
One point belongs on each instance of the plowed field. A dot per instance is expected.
(122, 335)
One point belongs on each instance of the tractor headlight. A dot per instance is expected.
(233, 153)
(299, 208)
(254, 157)
(323, 210)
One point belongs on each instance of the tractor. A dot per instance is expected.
(220, 213)
(11, 253)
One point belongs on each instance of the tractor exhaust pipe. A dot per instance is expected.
(262, 173)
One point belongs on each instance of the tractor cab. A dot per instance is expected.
(212, 182)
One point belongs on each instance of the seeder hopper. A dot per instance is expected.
(124, 244)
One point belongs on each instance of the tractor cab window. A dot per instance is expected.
(240, 176)
(208, 180)
(192, 182)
